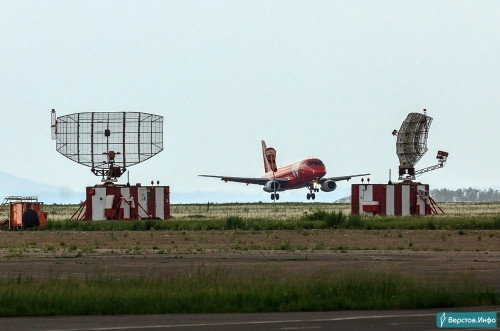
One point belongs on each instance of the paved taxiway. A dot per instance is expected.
(421, 319)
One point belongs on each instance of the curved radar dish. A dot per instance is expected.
(108, 142)
(411, 143)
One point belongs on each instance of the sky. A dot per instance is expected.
(326, 79)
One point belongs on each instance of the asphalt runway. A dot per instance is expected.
(420, 319)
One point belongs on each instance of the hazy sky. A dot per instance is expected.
(329, 79)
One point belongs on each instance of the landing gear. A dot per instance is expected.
(275, 196)
(311, 196)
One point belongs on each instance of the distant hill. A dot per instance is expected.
(346, 199)
(11, 185)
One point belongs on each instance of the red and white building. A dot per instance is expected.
(121, 202)
(399, 199)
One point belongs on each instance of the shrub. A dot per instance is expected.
(234, 222)
(496, 222)
(354, 221)
(332, 219)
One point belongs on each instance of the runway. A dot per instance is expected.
(421, 319)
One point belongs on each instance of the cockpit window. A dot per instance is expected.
(315, 162)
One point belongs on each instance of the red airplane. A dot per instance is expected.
(307, 173)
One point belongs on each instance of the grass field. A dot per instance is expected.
(222, 292)
(260, 257)
(291, 216)
(280, 210)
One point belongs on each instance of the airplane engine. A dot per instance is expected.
(272, 186)
(328, 186)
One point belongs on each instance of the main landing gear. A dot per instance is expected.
(275, 196)
(311, 195)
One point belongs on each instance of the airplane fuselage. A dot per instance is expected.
(300, 174)
(308, 173)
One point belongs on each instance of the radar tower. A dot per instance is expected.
(411, 145)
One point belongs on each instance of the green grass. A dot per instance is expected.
(282, 210)
(220, 291)
(316, 220)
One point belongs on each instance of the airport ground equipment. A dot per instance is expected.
(109, 143)
(394, 199)
(406, 197)
(22, 212)
(122, 202)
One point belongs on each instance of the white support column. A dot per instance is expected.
(366, 191)
(143, 202)
(405, 200)
(125, 191)
(420, 199)
(98, 204)
(160, 202)
(389, 200)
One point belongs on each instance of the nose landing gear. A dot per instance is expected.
(275, 196)
(311, 195)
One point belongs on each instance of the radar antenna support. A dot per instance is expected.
(442, 156)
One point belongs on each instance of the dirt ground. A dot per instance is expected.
(439, 255)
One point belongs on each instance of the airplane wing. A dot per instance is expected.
(247, 180)
(336, 179)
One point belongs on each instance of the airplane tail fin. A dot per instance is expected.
(269, 156)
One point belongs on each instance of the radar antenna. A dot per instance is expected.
(108, 142)
(411, 145)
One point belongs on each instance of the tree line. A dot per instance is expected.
(465, 195)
